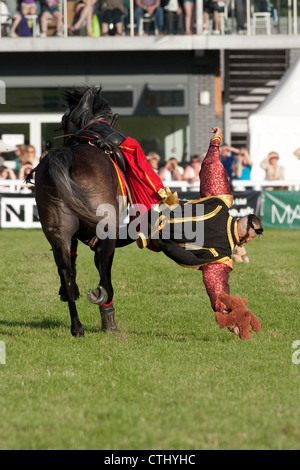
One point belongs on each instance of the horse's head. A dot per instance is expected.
(83, 107)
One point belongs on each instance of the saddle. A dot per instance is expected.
(108, 141)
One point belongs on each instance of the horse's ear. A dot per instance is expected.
(83, 113)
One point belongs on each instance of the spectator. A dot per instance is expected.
(243, 165)
(240, 15)
(154, 159)
(25, 170)
(16, 16)
(191, 173)
(31, 156)
(84, 11)
(227, 158)
(271, 167)
(21, 156)
(297, 153)
(7, 173)
(152, 8)
(112, 12)
(28, 7)
(189, 15)
(211, 7)
(171, 171)
(174, 17)
(49, 11)
(27, 160)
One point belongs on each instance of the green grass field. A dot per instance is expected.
(171, 379)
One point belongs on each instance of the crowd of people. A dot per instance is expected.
(236, 161)
(111, 17)
(25, 160)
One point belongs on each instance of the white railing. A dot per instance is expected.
(241, 185)
(20, 187)
(15, 187)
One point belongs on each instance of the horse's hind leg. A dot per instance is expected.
(104, 254)
(65, 257)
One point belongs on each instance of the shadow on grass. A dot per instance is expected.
(44, 324)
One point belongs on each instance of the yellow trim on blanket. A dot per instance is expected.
(121, 185)
(152, 184)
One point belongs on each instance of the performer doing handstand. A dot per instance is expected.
(221, 232)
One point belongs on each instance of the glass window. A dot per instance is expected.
(119, 99)
(163, 98)
(166, 135)
(34, 100)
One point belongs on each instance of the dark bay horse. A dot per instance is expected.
(71, 183)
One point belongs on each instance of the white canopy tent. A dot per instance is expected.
(275, 126)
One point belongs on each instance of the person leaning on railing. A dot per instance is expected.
(7, 173)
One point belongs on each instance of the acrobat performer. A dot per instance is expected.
(221, 233)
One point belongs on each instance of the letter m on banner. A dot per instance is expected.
(281, 209)
(2, 92)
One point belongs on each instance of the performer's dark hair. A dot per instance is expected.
(253, 219)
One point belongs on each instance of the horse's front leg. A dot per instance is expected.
(103, 295)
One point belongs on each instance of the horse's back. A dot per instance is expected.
(71, 183)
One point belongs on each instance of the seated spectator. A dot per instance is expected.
(84, 11)
(16, 17)
(174, 17)
(7, 173)
(191, 173)
(49, 11)
(112, 12)
(271, 167)
(28, 7)
(154, 159)
(153, 8)
(243, 165)
(171, 171)
(211, 7)
(189, 15)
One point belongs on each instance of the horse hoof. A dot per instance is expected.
(108, 318)
(77, 329)
(97, 296)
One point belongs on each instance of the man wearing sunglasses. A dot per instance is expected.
(220, 232)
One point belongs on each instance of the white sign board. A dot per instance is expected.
(18, 212)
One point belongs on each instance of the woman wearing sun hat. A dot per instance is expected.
(271, 167)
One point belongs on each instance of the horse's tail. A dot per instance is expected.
(74, 197)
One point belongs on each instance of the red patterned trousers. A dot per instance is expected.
(214, 182)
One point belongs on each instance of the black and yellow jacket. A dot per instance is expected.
(218, 228)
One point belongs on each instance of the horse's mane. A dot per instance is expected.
(86, 104)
